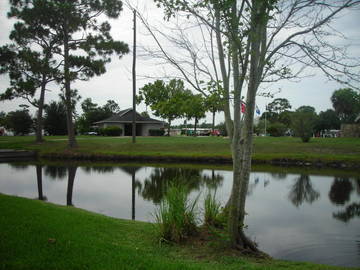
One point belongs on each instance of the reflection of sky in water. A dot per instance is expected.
(289, 215)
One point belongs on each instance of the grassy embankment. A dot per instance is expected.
(345, 150)
(38, 235)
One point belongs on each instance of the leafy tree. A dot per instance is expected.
(278, 116)
(93, 113)
(2, 118)
(214, 102)
(279, 105)
(306, 109)
(165, 100)
(86, 44)
(194, 107)
(19, 122)
(303, 122)
(276, 129)
(112, 107)
(346, 103)
(29, 61)
(285, 118)
(55, 118)
(327, 120)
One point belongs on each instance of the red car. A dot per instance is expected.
(215, 132)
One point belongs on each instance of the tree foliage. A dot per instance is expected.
(327, 120)
(279, 105)
(19, 122)
(346, 103)
(194, 107)
(303, 122)
(29, 60)
(55, 118)
(165, 100)
(93, 113)
(84, 45)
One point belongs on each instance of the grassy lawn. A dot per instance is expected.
(38, 235)
(265, 148)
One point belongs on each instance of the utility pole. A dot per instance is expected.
(134, 84)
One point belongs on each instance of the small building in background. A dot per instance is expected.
(123, 120)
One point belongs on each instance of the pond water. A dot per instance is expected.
(293, 216)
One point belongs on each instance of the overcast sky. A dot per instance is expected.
(116, 83)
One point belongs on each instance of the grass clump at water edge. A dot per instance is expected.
(176, 216)
(212, 210)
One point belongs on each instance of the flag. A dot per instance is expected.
(257, 110)
(243, 107)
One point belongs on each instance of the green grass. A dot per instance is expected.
(38, 235)
(265, 148)
(176, 216)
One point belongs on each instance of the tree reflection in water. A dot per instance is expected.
(99, 169)
(39, 183)
(340, 193)
(302, 191)
(19, 166)
(55, 172)
(156, 185)
(70, 187)
(132, 171)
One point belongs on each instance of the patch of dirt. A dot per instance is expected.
(211, 244)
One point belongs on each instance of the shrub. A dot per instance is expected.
(303, 125)
(110, 131)
(156, 132)
(176, 215)
(212, 210)
(276, 129)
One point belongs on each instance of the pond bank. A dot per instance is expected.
(283, 151)
(201, 160)
(47, 236)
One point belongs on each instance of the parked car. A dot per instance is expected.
(91, 133)
(215, 132)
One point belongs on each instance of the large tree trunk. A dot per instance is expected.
(68, 103)
(242, 145)
(39, 126)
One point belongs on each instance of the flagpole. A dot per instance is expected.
(265, 118)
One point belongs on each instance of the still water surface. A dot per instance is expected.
(292, 216)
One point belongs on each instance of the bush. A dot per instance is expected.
(276, 129)
(110, 131)
(303, 125)
(156, 132)
(212, 210)
(176, 215)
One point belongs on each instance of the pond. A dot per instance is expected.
(292, 214)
